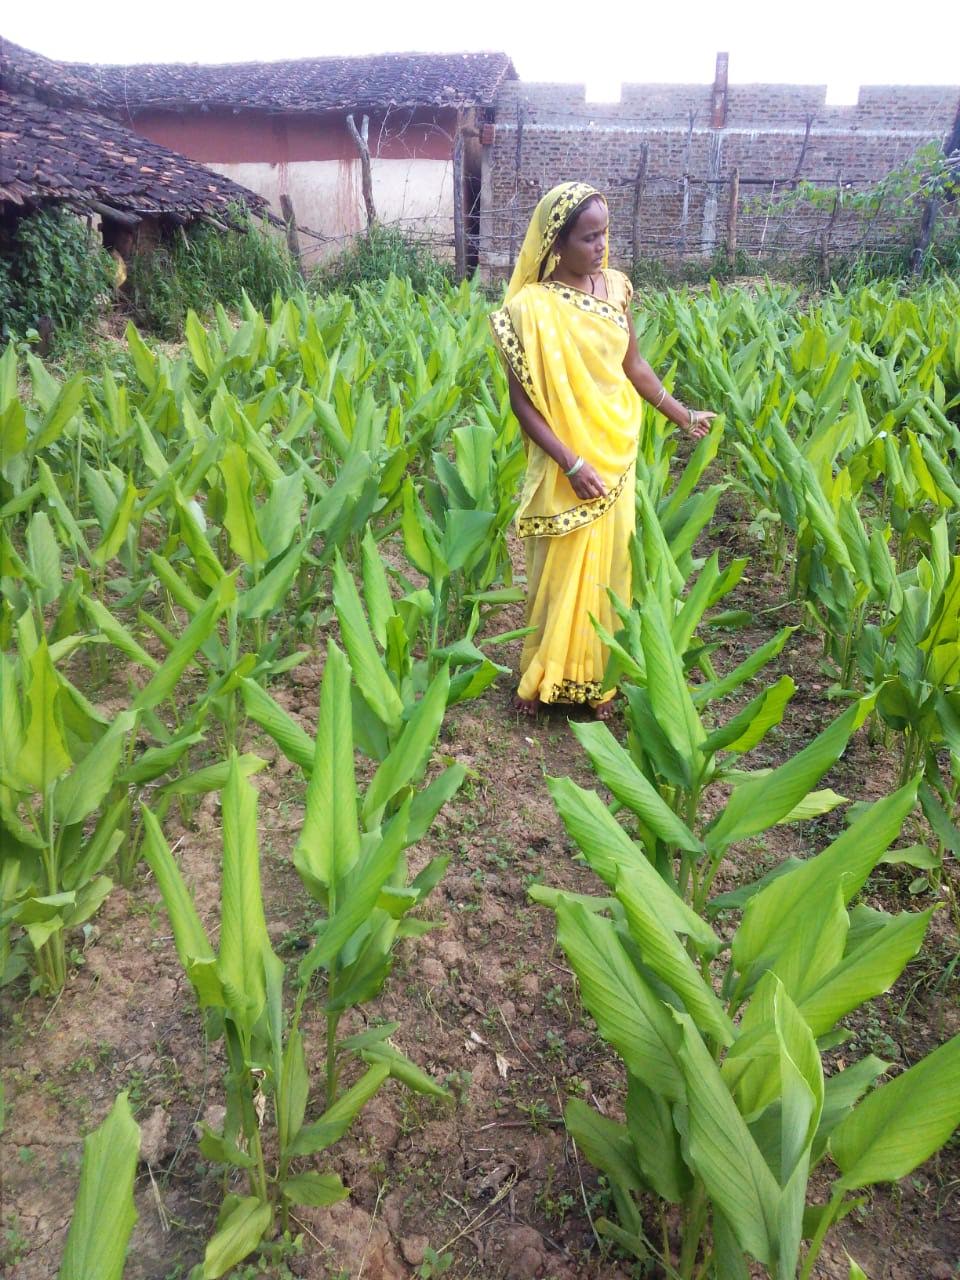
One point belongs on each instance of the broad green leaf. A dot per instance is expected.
(759, 803)
(664, 953)
(608, 849)
(295, 744)
(783, 925)
(617, 771)
(215, 776)
(313, 1189)
(329, 841)
(814, 805)
(43, 756)
(237, 1238)
(241, 517)
(667, 687)
(116, 531)
(338, 1117)
(104, 1212)
(656, 1142)
(81, 792)
(751, 725)
(189, 935)
(244, 942)
(199, 629)
(402, 1069)
(724, 1154)
(607, 1145)
(840, 1092)
(628, 1014)
(375, 866)
(376, 589)
(746, 670)
(43, 556)
(411, 753)
(293, 1089)
(116, 633)
(902, 1123)
(365, 661)
(266, 596)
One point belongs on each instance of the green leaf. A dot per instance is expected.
(609, 849)
(199, 629)
(295, 744)
(43, 756)
(104, 1213)
(189, 936)
(82, 791)
(43, 556)
(410, 755)
(783, 926)
(656, 1143)
(376, 589)
(237, 1238)
(329, 841)
(365, 661)
(667, 687)
(724, 1154)
(840, 1092)
(751, 725)
(267, 595)
(314, 1190)
(627, 1012)
(902, 1123)
(759, 803)
(244, 942)
(241, 517)
(710, 692)
(402, 1069)
(214, 777)
(116, 531)
(116, 633)
(664, 953)
(336, 1120)
(293, 1089)
(617, 771)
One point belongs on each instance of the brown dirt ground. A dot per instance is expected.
(487, 1004)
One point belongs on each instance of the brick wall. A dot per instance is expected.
(548, 133)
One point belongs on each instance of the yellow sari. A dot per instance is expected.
(566, 349)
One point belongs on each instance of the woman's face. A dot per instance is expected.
(581, 253)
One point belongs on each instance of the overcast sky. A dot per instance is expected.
(840, 43)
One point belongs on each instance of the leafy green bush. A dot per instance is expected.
(51, 266)
(201, 266)
(375, 256)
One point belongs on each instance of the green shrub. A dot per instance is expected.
(375, 256)
(201, 266)
(51, 266)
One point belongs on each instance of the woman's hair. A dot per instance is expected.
(571, 221)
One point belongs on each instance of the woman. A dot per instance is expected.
(575, 375)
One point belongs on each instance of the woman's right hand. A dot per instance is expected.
(587, 484)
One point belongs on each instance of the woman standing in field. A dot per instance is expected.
(575, 376)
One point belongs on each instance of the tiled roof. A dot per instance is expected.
(52, 152)
(304, 85)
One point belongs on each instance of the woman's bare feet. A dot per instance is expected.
(605, 711)
(528, 707)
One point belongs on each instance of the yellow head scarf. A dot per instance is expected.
(548, 219)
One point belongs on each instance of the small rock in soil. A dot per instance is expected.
(414, 1248)
(155, 1142)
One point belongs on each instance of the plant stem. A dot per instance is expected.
(816, 1244)
(693, 1230)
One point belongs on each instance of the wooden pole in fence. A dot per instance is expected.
(459, 222)
(732, 217)
(293, 239)
(360, 137)
(828, 230)
(638, 184)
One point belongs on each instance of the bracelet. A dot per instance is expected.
(575, 468)
(663, 392)
(693, 419)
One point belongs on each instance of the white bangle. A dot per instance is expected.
(663, 392)
(575, 468)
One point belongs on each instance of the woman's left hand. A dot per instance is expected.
(700, 425)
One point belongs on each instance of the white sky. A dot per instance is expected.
(840, 43)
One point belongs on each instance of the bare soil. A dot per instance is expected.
(487, 1004)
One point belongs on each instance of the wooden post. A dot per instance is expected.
(293, 239)
(459, 221)
(825, 241)
(732, 217)
(638, 185)
(360, 137)
(928, 219)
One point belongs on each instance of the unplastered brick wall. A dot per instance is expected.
(773, 134)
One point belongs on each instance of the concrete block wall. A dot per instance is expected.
(549, 133)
